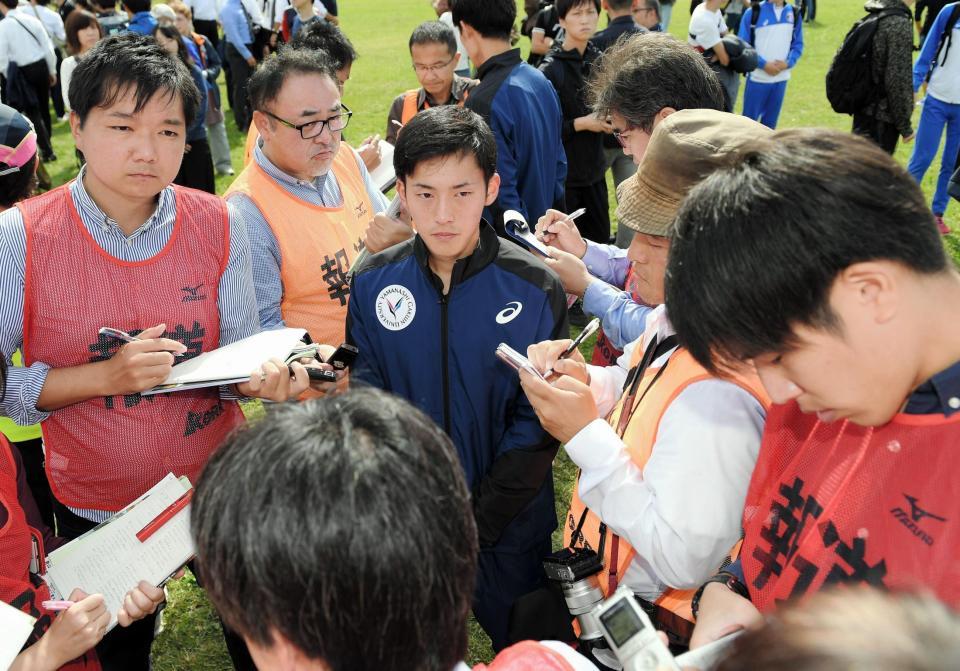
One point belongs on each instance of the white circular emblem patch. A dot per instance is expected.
(395, 307)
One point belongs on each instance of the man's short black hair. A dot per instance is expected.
(344, 525)
(642, 74)
(137, 6)
(130, 62)
(447, 130)
(759, 244)
(564, 6)
(491, 18)
(10, 4)
(326, 37)
(618, 5)
(434, 32)
(267, 80)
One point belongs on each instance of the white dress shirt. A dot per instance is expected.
(204, 10)
(682, 511)
(17, 46)
(51, 21)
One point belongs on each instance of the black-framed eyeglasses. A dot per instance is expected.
(436, 67)
(312, 129)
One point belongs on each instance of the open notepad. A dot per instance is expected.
(16, 627)
(231, 363)
(383, 175)
(110, 559)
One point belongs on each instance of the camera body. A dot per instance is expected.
(576, 570)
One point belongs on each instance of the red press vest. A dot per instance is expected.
(105, 452)
(640, 437)
(18, 587)
(841, 503)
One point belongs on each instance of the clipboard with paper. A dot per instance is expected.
(233, 363)
(111, 559)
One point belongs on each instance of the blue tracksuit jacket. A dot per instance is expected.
(438, 352)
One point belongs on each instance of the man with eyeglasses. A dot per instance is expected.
(306, 196)
(433, 50)
(646, 14)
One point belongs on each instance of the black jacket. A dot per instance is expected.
(621, 25)
(568, 71)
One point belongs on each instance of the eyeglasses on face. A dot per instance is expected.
(312, 129)
(436, 67)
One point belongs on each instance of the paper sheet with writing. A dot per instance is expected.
(16, 627)
(383, 175)
(110, 560)
(230, 363)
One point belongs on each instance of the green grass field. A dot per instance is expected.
(379, 30)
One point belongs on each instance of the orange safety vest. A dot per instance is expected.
(840, 503)
(317, 244)
(410, 104)
(640, 437)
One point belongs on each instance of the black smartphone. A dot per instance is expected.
(344, 357)
(321, 375)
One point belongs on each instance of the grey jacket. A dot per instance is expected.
(892, 67)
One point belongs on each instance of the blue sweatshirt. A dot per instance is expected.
(945, 65)
(778, 36)
(438, 351)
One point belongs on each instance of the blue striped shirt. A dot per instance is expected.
(323, 191)
(236, 299)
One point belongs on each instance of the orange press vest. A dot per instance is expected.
(410, 104)
(840, 503)
(317, 244)
(104, 452)
(19, 587)
(640, 437)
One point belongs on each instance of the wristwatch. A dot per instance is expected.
(732, 583)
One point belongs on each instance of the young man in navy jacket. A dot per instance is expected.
(427, 316)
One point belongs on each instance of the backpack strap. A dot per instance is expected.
(754, 17)
(946, 37)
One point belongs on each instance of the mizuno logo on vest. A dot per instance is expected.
(912, 519)
(193, 294)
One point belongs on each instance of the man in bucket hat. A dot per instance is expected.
(663, 478)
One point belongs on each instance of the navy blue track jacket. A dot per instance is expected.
(522, 109)
(439, 353)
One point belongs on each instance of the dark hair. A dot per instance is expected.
(434, 32)
(171, 33)
(564, 7)
(18, 185)
(77, 21)
(758, 244)
(447, 130)
(642, 74)
(490, 18)
(10, 4)
(326, 37)
(345, 525)
(654, 5)
(267, 80)
(130, 62)
(137, 6)
(617, 5)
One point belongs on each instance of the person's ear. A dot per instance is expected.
(262, 122)
(402, 192)
(456, 60)
(872, 286)
(663, 114)
(493, 189)
(76, 129)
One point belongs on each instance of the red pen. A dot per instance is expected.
(164, 517)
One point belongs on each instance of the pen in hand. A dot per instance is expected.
(570, 217)
(587, 331)
(125, 337)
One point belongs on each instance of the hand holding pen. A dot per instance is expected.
(557, 229)
(143, 362)
(562, 357)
